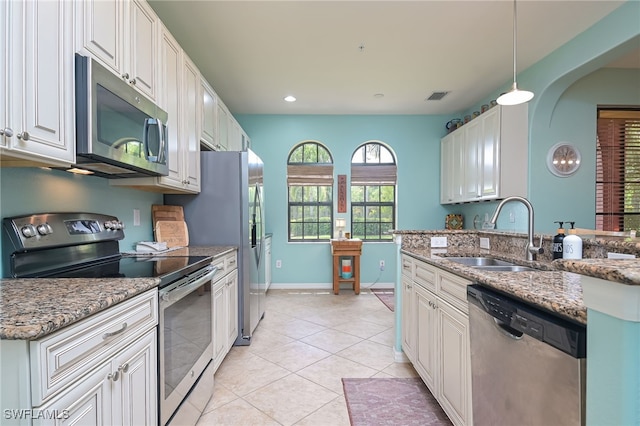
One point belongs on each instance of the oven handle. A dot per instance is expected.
(184, 286)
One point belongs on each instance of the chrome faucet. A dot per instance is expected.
(532, 250)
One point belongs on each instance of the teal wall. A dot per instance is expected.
(613, 371)
(415, 141)
(568, 84)
(35, 190)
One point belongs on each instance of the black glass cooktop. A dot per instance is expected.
(168, 269)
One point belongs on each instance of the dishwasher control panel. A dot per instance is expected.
(519, 318)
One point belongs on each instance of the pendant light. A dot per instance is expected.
(515, 96)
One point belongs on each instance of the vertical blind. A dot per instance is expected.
(618, 170)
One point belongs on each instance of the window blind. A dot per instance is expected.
(373, 174)
(311, 174)
(618, 170)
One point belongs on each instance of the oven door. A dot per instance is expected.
(186, 336)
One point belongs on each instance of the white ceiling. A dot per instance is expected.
(335, 56)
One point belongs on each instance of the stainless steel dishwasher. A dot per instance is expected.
(527, 366)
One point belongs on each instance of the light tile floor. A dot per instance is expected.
(307, 342)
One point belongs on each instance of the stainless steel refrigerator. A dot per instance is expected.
(229, 211)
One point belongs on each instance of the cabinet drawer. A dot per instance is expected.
(453, 289)
(425, 275)
(225, 264)
(407, 266)
(64, 356)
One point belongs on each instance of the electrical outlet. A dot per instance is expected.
(512, 217)
(484, 243)
(382, 265)
(278, 263)
(136, 217)
(438, 241)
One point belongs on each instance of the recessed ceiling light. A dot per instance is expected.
(379, 95)
(290, 98)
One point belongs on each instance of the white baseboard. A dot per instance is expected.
(399, 356)
(325, 286)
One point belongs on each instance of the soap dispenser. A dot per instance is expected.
(557, 241)
(572, 245)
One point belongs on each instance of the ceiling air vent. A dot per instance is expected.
(436, 96)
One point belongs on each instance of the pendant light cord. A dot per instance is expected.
(515, 37)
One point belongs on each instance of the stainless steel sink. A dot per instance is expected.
(505, 268)
(489, 264)
(480, 261)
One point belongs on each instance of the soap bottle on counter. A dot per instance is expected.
(557, 241)
(572, 245)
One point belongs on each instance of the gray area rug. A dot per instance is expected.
(386, 296)
(400, 402)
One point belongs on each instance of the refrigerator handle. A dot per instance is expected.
(253, 232)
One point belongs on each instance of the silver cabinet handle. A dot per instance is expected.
(7, 131)
(24, 136)
(133, 81)
(113, 376)
(113, 333)
(125, 76)
(124, 368)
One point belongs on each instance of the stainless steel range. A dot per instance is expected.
(85, 245)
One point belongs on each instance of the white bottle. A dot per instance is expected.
(572, 245)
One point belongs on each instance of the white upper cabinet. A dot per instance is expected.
(180, 97)
(192, 102)
(487, 158)
(223, 126)
(123, 35)
(37, 105)
(209, 118)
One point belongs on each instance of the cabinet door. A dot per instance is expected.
(88, 402)
(454, 393)
(472, 155)
(490, 172)
(209, 115)
(42, 87)
(7, 61)
(219, 322)
(192, 103)
(426, 352)
(142, 50)
(452, 167)
(223, 126)
(408, 318)
(100, 27)
(232, 308)
(170, 101)
(136, 395)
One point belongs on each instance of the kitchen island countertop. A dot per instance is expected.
(31, 308)
(555, 286)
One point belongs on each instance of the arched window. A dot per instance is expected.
(373, 192)
(310, 187)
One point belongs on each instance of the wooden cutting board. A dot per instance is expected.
(173, 232)
(161, 212)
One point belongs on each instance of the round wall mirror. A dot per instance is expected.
(563, 159)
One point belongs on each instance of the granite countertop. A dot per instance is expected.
(31, 308)
(556, 291)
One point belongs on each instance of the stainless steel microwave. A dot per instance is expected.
(119, 132)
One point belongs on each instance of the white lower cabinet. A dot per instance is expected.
(101, 370)
(225, 307)
(435, 335)
(121, 392)
(408, 318)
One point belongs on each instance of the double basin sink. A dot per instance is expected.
(489, 264)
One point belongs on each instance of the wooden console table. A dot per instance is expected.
(346, 248)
